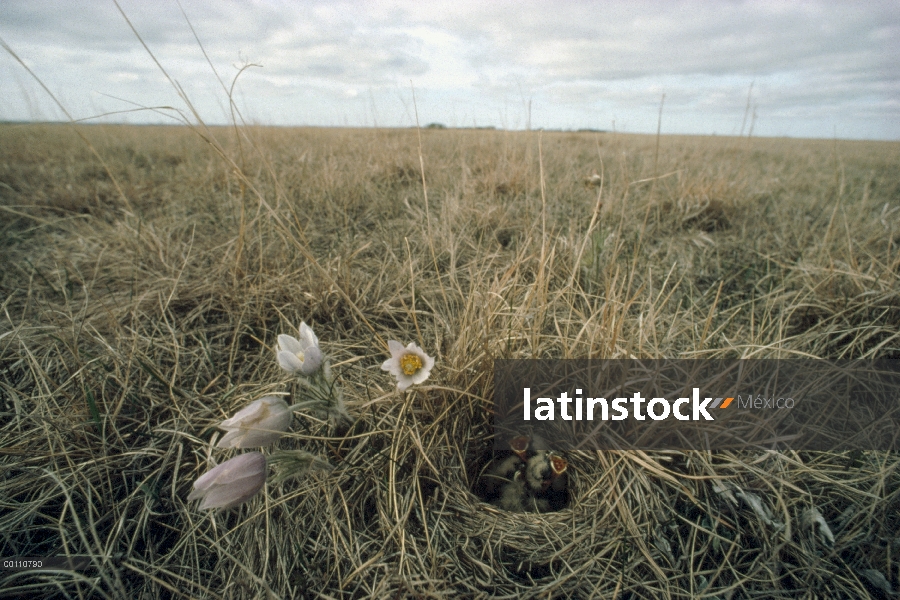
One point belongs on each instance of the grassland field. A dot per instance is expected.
(147, 270)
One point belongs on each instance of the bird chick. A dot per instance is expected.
(504, 467)
(499, 473)
(558, 465)
(545, 472)
(519, 445)
(516, 497)
(530, 479)
(512, 494)
(537, 472)
(536, 503)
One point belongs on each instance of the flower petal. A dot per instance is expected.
(234, 494)
(233, 482)
(256, 410)
(256, 438)
(230, 439)
(290, 344)
(392, 366)
(420, 376)
(259, 424)
(312, 360)
(307, 336)
(289, 361)
(229, 471)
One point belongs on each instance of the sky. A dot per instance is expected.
(809, 69)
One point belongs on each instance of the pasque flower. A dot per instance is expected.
(409, 365)
(232, 483)
(259, 424)
(300, 355)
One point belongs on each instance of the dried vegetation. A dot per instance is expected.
(141, 302)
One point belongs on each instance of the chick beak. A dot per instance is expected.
(519, 445)
(558, 465)
(558, 477)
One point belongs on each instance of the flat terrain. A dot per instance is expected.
(147, 272)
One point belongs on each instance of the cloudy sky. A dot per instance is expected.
(817, 69)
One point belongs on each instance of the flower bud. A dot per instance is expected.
(232, 483)
(259, 424)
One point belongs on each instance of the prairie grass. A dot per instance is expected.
(141, 301)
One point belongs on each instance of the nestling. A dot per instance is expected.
(499, 473)
(546, 472)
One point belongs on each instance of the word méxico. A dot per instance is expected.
(761, 402)
(657, 408)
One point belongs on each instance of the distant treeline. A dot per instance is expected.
(493, 128)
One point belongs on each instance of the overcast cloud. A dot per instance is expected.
(817, 68)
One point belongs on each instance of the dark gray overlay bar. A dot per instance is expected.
(815, 405)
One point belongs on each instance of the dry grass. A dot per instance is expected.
(140, 306)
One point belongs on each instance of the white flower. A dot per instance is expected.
(260, 424)
(409, 365)
(300, 356)
(232, 483)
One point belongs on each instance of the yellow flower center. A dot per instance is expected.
(410, 363)
(300, 356)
